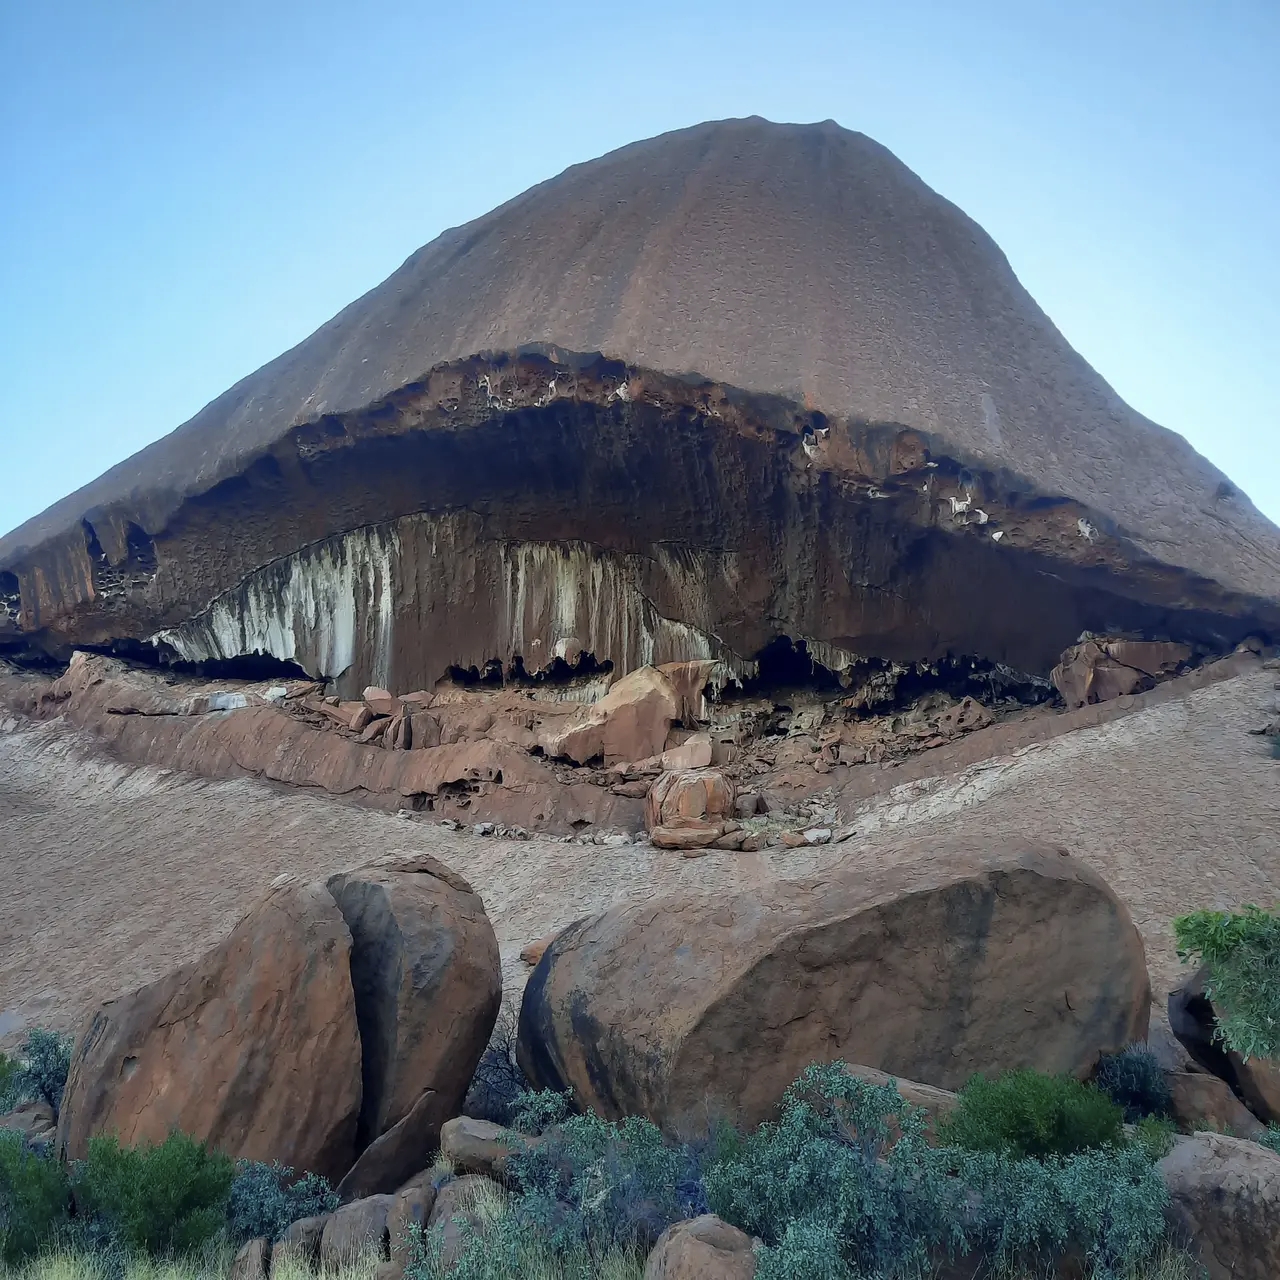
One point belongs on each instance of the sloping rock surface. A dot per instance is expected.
(953, 959)
(740, 380)
(253, 1048)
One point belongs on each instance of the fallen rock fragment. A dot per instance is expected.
(954, 959)
(1203, 1101)
(630, 722)
(1097, 671)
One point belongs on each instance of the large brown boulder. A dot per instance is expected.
(253, 1048)
(1194, 1021)
(686, 796)
(630, 722)
(428, 982)
(705, 1248)
(1225, 1202)
(933, 964)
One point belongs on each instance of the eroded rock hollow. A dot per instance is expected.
(739, 382)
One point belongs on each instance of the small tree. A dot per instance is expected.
(1241, 952)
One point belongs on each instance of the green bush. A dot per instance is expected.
(1026, 1113)
(163, 1200)
(1134, 1080)
(806, 1251)
(1271, 1139)
(1155, 1135)
(1242, 952)
(8, 1083)
(266, 1198)
(602, 1186)
(33, 1199)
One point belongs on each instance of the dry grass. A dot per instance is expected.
(212, 1264)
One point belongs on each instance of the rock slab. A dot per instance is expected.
(950, 960)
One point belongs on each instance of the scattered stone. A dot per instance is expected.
(251, 1261)
(477, 1146)
(380, 702)
(746, 805)
(1203, 1101)
(354, 1231)
(950, 959)
(484, 828)
(1225, 1202)
(299, 1247)
(792, 840)
(409, 1212)
(705, 1248)
(361, 719)
(35, 1121)
(693, 753)
(817, 835)
(615, 839)
(450, 824)
(374, 731)
(690, 837)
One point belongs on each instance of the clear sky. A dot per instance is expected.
(187, 189)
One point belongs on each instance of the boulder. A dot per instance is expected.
(938, 962)
(688, 796)
(299, 1247)
(1194, 1020)
(937, 1104)
(251, 1261)
(253, 1048)
(690, 679)
(428, 982)
(693, 836)
(1099, 670)
(1225, 1202)
(693, 753)
(1202, 1101)
(705, 1248)
(380, 702)
(630, 722)
(35, 1121)
(410, 1210)
(477, 1146)
(533, 952)
(354, 1231)
(454, 1212)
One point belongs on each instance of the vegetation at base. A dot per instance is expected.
(38, 1073)
(1241, 950)
(161, 1200)
(266, 1198)
(33, 1199)
(1029, 1114)
(1134, 1080)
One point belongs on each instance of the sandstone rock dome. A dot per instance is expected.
(737, 382)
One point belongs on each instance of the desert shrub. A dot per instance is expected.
(163, 1200)
(848, 1160)
(1108, 1204)
(40, 1071)
(1027, 1113)
(1134, 1080)
(266, 1198)
(1155, 1135)
(806, 1251)
(603, 1187)
(1271, 1139)
(8, 1083)
(33, 1199)
(540, 1110)
(1242, 952)
(498, 1086)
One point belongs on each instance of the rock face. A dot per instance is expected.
(740, 381)
(705, 1248)
(428, 982)
(951, 960)
(1225, 1195)
(254, 1048)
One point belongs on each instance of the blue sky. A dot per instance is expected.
(188, 189)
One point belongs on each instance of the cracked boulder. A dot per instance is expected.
(944, 961)
(738, 382)
(334, 1030)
